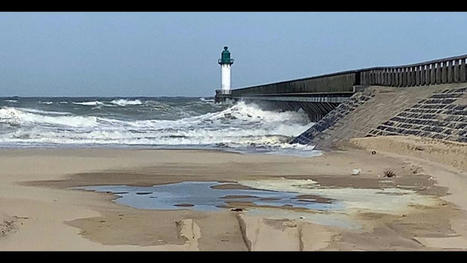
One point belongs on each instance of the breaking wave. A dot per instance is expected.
(118, 102)
(238, 126)
(123, 102)
(89, 103)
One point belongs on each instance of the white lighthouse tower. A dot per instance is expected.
(226, 62)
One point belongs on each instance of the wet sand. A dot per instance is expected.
(39, 211)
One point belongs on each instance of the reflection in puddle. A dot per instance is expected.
(208, 196)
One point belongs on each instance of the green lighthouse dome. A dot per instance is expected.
(225, 57)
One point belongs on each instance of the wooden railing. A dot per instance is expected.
(447, 70)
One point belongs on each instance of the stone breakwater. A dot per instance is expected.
(330, 119)
(437, 112)
(441, 116)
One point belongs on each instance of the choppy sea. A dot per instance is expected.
(154, 122)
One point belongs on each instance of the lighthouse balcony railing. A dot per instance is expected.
(223, 61)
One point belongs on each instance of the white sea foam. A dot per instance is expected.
(241, 125)
(89, 103)
(206, 100)
(43, 112)
(24, 117)
(123, 102)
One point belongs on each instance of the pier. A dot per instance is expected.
(327, 99)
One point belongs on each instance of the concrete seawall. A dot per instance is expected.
(325, 84)
(317, 96)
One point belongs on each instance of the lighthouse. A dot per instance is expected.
(226, 62)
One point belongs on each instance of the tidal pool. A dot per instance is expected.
(323, 205)
(208, 196)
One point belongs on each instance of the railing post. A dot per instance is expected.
(408, 74)
(375, 77)
(437, 74)
(441, 71)
(450, 72)
(420, 75)
(389, 75)
(417, 77)
(429, 74)
(462, 71)
(396, 78)
(401, 84)
(402, 77)
(433, 73)
(386, 77)
(456, 70)
(423, 75)
(390, 82)
(444, 70)
(392, 79)
(381, 77)
(412, 76)
(405, 77)
(400, 73)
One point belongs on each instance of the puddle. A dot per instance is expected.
(386, 200)
(323, 205)
(207, 196)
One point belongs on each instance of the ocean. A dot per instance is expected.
(152, 122)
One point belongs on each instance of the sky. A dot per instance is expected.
(175, 53)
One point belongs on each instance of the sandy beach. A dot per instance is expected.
(40, 211)
(233, 131)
